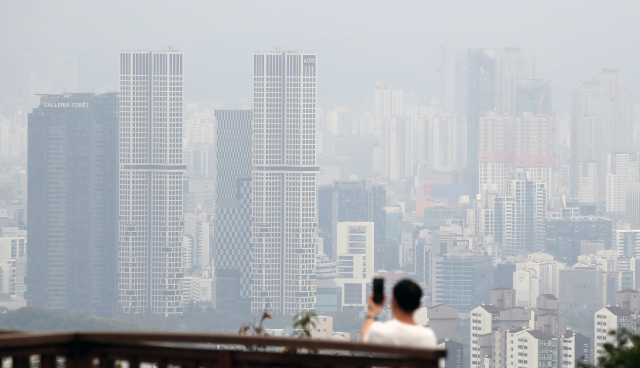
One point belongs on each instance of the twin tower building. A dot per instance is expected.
(106, 189)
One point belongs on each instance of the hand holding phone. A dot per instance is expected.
(378, 290)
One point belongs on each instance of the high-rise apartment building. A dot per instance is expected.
(607, 319)
(392, 132)
(515, 66)
(442, 142)
(13, 264)
(355, 256)
(490, 323)
(198, 227)
(632, 205)
(622, 170)
(529, 348)
(530, 198)
(387, 103)
(151, 169)
(232, 257)
(475, 82)
(563, 237)
(515, 220)
(461, 280)
(588, 183)
(284, 182)
(535, 135)
(496, 132)
(600, 124)
(482, 92)
(495, 154)
(73, 189)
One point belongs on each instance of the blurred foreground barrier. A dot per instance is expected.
(195, 350)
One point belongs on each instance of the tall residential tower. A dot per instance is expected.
(284, 182)
(232, 257)
(150, 254)
(73, 208)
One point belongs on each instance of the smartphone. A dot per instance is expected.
(378, 290)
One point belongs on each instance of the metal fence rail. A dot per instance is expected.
(195, 350)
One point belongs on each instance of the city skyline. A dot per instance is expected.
(222, 179)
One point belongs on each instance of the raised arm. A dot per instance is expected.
(372, 314)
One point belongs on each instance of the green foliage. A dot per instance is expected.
(624, 354)
(302, 325)
(258, 330)
(36, 319)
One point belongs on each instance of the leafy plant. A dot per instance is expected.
(620, 354)
(302, 325)
(258, 330)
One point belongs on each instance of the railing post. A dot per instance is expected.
(226, 359)
(75, 360)
(48, 361)
(21, 362)
(134, 362)
(106, 362)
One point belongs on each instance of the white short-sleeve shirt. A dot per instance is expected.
(394, 332)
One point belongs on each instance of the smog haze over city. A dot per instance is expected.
(190, 166)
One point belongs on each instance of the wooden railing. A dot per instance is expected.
(193, 350)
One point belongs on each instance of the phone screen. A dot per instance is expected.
(378, 290)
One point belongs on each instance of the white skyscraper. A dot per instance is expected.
(355, 262)
(588, 182)
(387, 103)
(284, 182)
(150, 252)
(622, 169)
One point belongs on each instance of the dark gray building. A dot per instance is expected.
(232, 234)
(582, 290)
(462, 280)
(564, 236)
(503, 274)
(73, 203)
(356, 201)
(482, 71)
(455, 353)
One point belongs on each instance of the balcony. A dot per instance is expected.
(193, 350)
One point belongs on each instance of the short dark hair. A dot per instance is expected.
(407, 295)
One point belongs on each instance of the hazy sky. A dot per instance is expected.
(358, 42)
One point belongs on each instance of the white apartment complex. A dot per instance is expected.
(622, 169)
(607, 319)
(387, 103)
(151, 168)
(355, 252)
(527, 348)
(284, 182)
